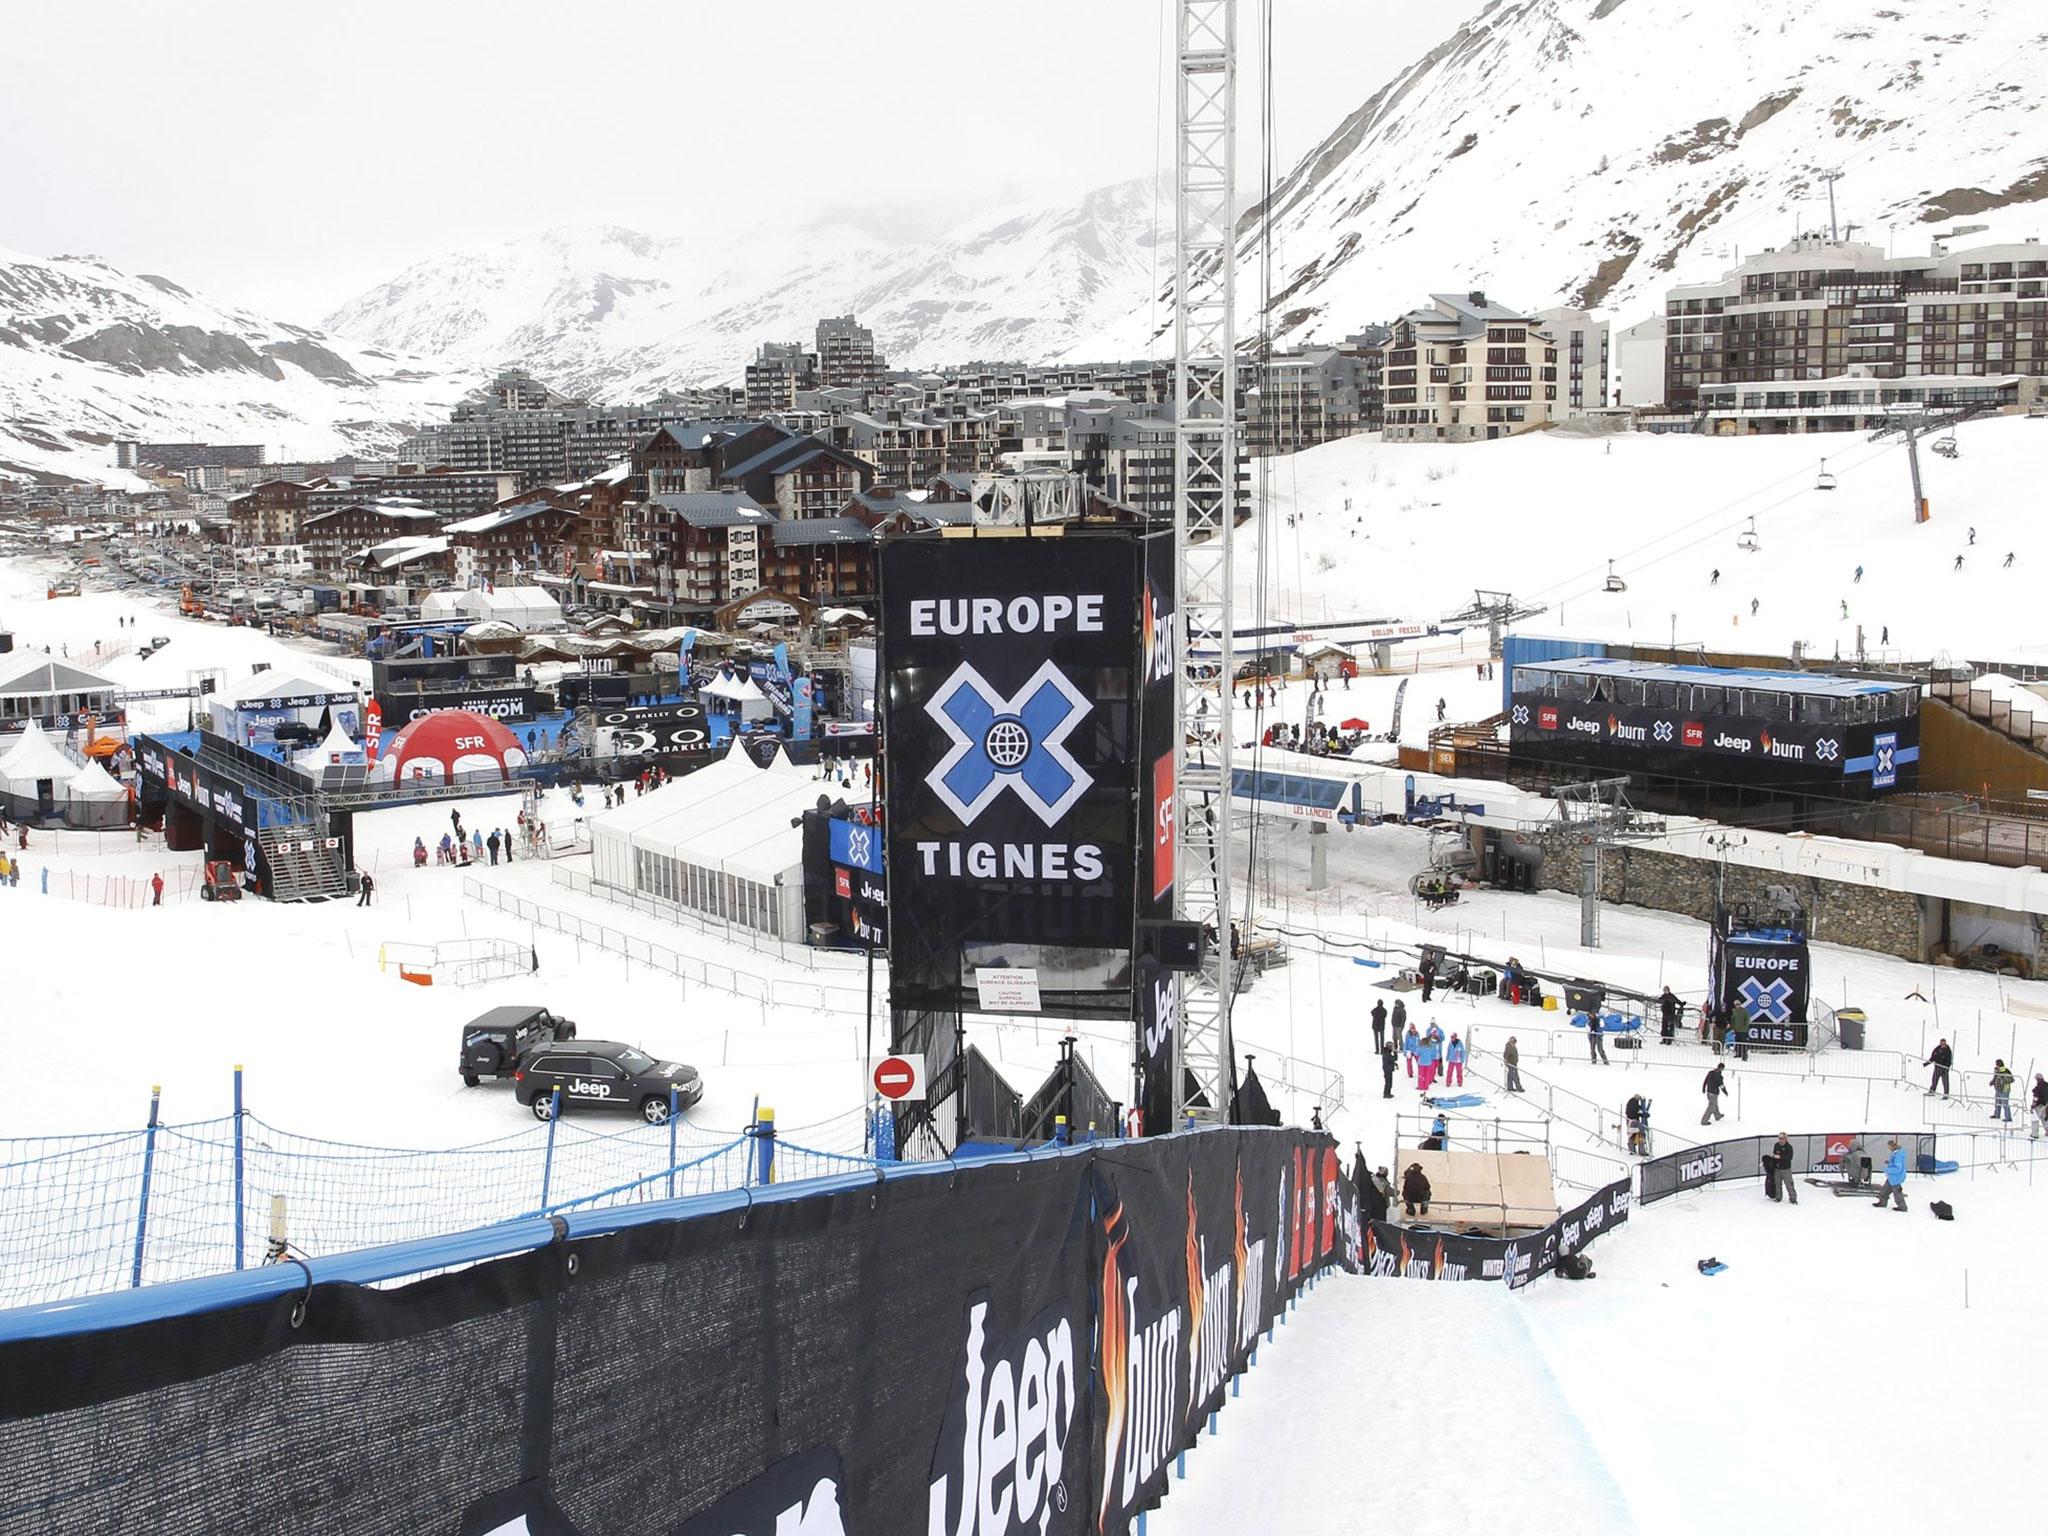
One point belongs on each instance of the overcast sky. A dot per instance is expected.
(287, 157)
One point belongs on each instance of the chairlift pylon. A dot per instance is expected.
(1826, 482)
(1747, 539)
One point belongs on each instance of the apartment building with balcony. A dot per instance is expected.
(1818, 311)
(1583, 358)
(846, 355)
(1467, 370)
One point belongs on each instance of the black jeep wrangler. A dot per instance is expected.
(493, 1042)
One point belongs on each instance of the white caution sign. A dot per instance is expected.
(1005, 989)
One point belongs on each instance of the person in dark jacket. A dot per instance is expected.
(1511, 1058)
(1415, 1191)
(1669, 1006)
(491, 843)
(1379, 1023)
(1780, 1159)
(1383, 1192)
(1941, 1058)
(1713, 1087)
(1596, 1043)
(1428, 977)
(1387, 1055)
(1400, 1016)
(2039, 1122)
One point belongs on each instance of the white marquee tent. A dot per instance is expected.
(717, 841)
(33, 773)
(96, 798)
(740, 696)
(523, 608)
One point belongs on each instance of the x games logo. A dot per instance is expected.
(1014, 743)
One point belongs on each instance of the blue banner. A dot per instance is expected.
(800, 710)
(856, 846)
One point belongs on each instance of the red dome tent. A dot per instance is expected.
(450, 744)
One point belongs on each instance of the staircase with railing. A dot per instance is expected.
(304, 866)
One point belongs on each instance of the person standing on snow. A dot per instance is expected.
(1713, 1087)
(156, 899)
(368, 889)
(491, 843)
(1780, 1159)
(1894, 1177)
(1511, 1058)
(1411, 1046)
(1439, 711)
(1387, 1069)
(1941, 1058)
(1714, 580)
(2039, 1122)
(1400, 1015)
(1596, 1041)
(1379, 1023)
(2001, 1092)
(1454, 1062)
(1668, 1008)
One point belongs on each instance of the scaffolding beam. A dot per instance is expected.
(1204, 514)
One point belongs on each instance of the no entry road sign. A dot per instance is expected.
(900, 1077)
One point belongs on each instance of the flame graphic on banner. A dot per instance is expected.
(1197, 1300)
(1240, 1258)
(1407, 1253)
(1116, 1335)
(1436, 1263)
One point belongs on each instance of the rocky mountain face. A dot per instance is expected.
(1594, 152)
(89, 354)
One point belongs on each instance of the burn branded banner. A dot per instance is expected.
(1425, 1253)
(1852, 760)
(986, 1349)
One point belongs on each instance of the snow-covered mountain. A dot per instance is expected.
(616, 314)
(1594, 152)
(89, 354)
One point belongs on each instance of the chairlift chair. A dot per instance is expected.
(1826, 482)
(1747, 539)
(1614, 582)
(1947, 446)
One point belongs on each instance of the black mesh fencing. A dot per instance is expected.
(999, 1346)
(1741, 1157)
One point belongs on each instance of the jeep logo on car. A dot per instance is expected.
(585, 1085)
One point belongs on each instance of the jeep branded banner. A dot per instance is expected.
(1742, 1158)
(1851, 761)
(1424, 1253)
(982, 1350)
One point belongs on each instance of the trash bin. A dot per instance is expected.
(1849, 1024)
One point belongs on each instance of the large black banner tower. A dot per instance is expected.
(1027, 691)
(1761, 963)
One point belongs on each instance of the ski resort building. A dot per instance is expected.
(1467, 371)
(1818, 310)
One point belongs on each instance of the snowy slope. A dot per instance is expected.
(1540, 516)
(89, 353)
(1596, 151)
(615, 314)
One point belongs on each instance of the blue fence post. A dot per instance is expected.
(240, 1185)
(675, 1113)
(547, 1167)
(764, 1144)
(1062, 1133)
(156, 1098)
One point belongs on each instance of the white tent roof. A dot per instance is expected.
(35, 757)
(275, 683)
(92, 782)
(740, 690)
(731, 816)
(337, 740)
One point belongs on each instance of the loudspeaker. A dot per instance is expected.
(1176, 946)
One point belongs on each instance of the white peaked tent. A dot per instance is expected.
(740, 696)
(718, 841)
(32, 774)
(337, 749)
(97, 798)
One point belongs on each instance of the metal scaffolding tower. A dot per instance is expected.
(1204, 512)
